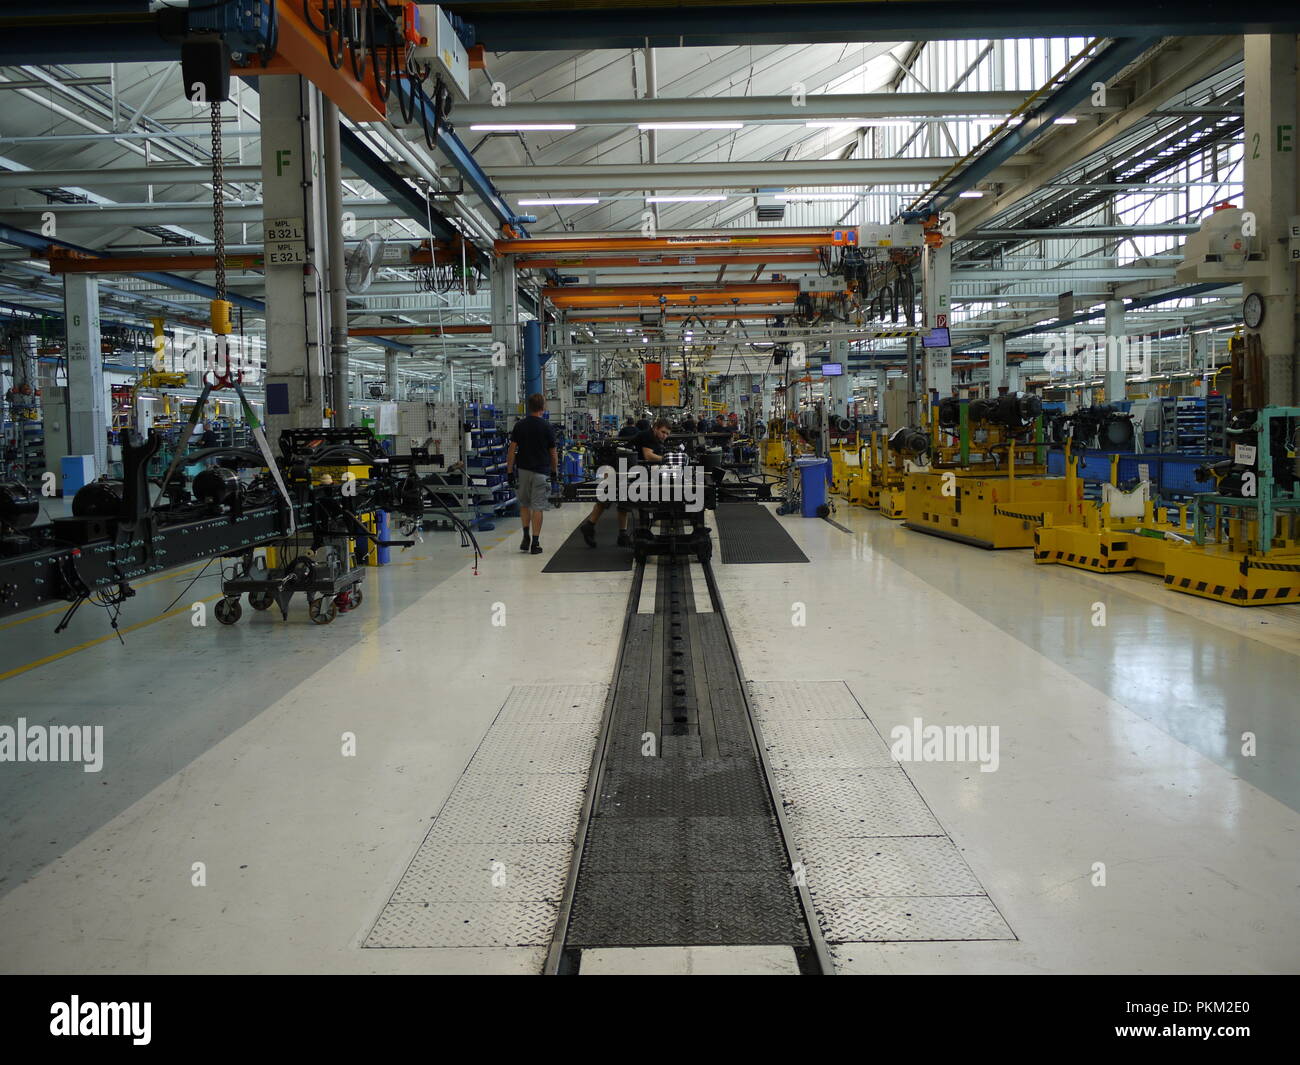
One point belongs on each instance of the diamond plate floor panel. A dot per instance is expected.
(854, 802)
(497, 808)
(824, 744)
(492, 867)
(459, 872)
(464, 924)
(805, 700)
(526, 748)
(887, 866)
(894, 920)
(879, 866)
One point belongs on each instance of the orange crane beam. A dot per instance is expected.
(300, 50)
(672, 295)
(747, 259)
(576, 245)
(130, 264)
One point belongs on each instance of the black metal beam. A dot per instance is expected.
(513, 26)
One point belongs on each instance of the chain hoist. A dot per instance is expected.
(220, 306)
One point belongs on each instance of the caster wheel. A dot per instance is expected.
(356, 596)
(322, 611)
(260, 600)
(228, 611)
(705, 551)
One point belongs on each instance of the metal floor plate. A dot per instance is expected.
(684, 908)
(854, 802)
(492, 867)
(803, 700)
(464, 924)
(917, 919)
(824, 744)
(884, 866)
(879, 866)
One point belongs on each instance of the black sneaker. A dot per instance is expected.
(588, 531)
(624, 540)
(537, 546)
(523, 544)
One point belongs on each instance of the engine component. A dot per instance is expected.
(1015, 411)
(910, 442)
(216, 485)
(18, 507)
(99, 499)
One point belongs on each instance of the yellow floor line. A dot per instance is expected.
(111, 636)
(135, 584)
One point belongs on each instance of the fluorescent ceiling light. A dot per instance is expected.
(690, 125)
(971, 194)
(684, 199)
(518, 127)
(794, 196)
(547, 203)
(1065, 120)
(834, 123)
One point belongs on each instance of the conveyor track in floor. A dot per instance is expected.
(682, 842)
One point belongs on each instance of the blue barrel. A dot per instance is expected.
(812, 481)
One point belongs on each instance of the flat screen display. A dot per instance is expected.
(832, 369)
(595, 388)
(939, 338)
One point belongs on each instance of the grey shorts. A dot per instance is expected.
(534, 490)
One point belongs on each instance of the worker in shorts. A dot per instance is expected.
(533, 451)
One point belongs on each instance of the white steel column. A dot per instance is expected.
(290, 164)
(1115, 351)
(87, 392)
(1272, 140)
(505, 330)
(997, 362)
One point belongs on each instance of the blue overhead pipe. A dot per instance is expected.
(532, 357)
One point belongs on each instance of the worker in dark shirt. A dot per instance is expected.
(688, 424)
(629, 429)
(533, 451)
(650, 447)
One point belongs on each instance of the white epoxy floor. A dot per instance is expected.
(1117, 746)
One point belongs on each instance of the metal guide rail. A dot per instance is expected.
(681, 841)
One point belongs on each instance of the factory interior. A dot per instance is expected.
(506, 488)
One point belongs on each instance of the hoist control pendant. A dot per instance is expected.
(219, 312)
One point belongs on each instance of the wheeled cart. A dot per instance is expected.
(326, 575)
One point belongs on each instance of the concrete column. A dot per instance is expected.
(391, 376)
(87, 393)
(295, 361)
(1013, 378)
(1114, 351)
(936, 273)
(1271, 194)
(505, 331)
(997, 362)
(882, 383)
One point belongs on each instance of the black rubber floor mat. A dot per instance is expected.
(574, 556)
(749, 532)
